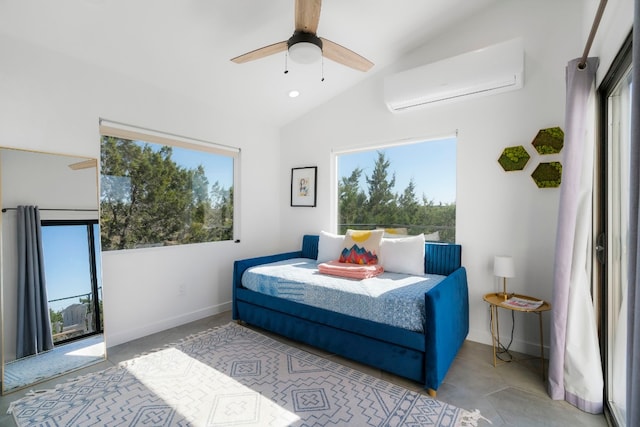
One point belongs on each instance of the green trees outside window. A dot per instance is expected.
(377, 204)
(150, 198)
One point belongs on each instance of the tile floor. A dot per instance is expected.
(513, 394)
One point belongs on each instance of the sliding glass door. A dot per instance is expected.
(616, 97)
(72, 272)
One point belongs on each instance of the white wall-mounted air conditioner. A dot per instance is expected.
(493, 69)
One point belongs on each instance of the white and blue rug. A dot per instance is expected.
(61, 360)
(233, 376)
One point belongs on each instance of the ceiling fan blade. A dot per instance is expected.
(307, 15)
(84, 164)
(344, 56)
(260, 53)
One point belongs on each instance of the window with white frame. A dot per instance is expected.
(161, 190)
(406, 189)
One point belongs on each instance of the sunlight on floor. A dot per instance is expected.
(174, 377)
(62, 359)
(95, 350)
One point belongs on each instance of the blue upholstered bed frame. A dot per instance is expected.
(425, 358)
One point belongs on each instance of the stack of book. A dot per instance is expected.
(523, 303)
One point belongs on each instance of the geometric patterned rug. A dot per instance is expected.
(62, 359)
(233, 376)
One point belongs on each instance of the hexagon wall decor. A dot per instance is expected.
(549, 141)
(548, 175)
(514, 158)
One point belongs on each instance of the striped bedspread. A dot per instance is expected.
(390, 298)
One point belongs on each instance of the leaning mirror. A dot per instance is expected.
(51, 288)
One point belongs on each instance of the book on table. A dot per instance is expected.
(523, 303)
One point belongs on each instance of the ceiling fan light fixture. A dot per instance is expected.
(304, 48)
(305, 53)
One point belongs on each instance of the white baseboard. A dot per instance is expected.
(162, 325)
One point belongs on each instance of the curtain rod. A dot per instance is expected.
(592, 34)
(68, 210)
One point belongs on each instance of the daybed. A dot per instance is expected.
(423, 356)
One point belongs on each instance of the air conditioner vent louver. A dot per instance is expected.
(494, 69)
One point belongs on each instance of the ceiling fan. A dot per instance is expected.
(84, 164)
(305, 46)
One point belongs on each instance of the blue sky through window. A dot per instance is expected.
(431, 164)
(217, 168)
(66, 258)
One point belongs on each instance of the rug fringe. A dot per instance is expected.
(471, 418)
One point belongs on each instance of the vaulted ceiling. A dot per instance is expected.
(185, 46)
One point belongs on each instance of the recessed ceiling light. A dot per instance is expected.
(294, 94)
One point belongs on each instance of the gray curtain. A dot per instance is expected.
(34, 327)
(575, 370)
(633, 303)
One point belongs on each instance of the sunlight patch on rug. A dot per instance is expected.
(173, 378)
(232, 376)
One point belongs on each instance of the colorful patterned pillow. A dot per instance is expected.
(361, 246)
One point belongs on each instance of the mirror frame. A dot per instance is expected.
(55, 204)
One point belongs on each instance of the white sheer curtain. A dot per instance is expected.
(575, 370)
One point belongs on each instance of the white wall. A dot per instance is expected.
(52, 103)
(497, 212)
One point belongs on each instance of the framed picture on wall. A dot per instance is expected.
(303, 186)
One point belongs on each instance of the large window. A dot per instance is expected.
(409, 188)
(614, 224)
(161, 190)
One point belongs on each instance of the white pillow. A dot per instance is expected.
(329, 246)
(403, 255)
(432, 237)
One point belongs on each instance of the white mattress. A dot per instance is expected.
(390, 298)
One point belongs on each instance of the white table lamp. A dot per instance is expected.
(503, 267)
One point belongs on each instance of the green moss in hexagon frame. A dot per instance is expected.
(514, 158)
(549, 141)
(548, 175)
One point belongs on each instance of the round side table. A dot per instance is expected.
(515, 302)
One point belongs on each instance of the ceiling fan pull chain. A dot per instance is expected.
(322, 68)
(286, 65)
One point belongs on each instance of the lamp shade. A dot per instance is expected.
(503, 266)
